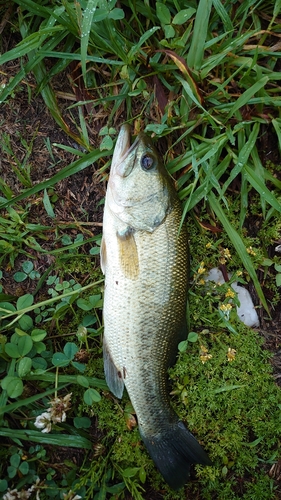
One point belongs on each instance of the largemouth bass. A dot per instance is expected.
(144, 257)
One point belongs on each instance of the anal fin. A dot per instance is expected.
(113, 376)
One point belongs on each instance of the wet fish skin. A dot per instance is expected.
(145, 261)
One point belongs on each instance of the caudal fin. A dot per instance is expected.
(173, 452)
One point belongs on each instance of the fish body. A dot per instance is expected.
(144, 256)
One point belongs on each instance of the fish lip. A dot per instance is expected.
(122, 149)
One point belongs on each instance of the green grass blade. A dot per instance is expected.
(243, 156)
(277, 125)
(67, 379)
(196, 51)
(259, 185)
(136, 48)
(67, 440)
(246, 96)
(239, 246)
(25, 402)
(35, 8)
(223, 15)
(87, 20)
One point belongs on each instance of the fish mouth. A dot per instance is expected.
(122, 149)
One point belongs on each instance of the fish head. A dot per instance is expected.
(140, 192)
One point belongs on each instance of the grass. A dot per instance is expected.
(203, 78)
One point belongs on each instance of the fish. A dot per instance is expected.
(144, 257)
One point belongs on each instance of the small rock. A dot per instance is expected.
(246, 311)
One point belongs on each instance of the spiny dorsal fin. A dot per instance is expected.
(128, 253)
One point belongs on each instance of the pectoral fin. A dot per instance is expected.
(103, 255)
(128, 254)
(113, 376)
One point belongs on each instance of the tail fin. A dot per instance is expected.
(173, 452)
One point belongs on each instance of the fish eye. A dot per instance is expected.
(147, 161)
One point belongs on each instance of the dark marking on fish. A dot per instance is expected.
(126, 233)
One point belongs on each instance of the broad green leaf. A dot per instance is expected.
(27, 266)
(192, 337)
(39, 347)
(169, 31)
(130, 471)
(183, 346)
(25, 301)
(3, 485)
(84, 304)
(60, 359)
(25, 344)
(81, 380)
(6, 307)
(12, 350)
(38, 334)
(79, 366)
(116, 14)
(70, 349)
(39, 363)
(163, 13)
(91, 396)
(13, 386)
(183, 16)
(24, 366)
(19, 276)
(106, 143)
(278, 280)
(15, 460)
(24, 468)
(26, 322)
(82, 422)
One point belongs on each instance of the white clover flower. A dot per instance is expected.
(23, 494)
(43, 422)
(58, 409)
(69, 496)
(55, 414)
